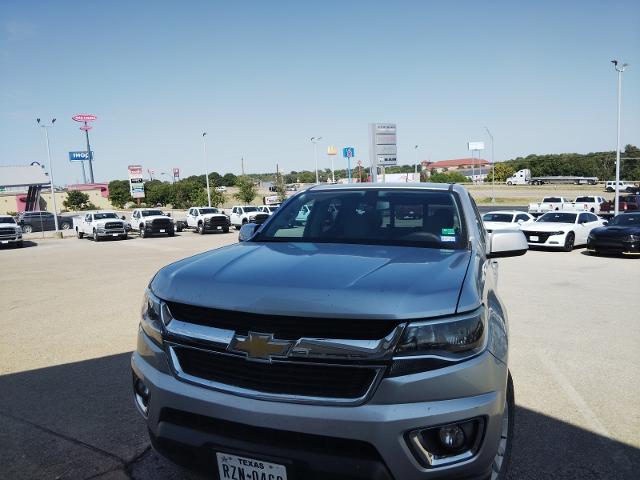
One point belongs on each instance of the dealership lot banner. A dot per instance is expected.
(136, 181)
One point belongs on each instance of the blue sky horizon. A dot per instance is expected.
(262, 78)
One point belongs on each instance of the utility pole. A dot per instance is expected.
(53, 192)
(619, 69)
(242, 165)
(315, 141)
(206, 170)
(493, 170)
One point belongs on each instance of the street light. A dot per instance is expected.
(619, 69)
(206, 171)
(53, 193)
(171, 177)
(493, 170)
(315, 141)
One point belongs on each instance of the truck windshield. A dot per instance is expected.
(498, 217)
(204, 211)
(555, 217)
(627, 220)
(7, 220)
(419, 218)
(102, 216)
(585, 199)
(552, 200)
(250, 209)
(152, 213)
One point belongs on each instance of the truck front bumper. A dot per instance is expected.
(190, 423)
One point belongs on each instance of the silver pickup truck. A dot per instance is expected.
(371, 345)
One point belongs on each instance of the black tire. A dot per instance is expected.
(201, 228)
(19, 244)
(143, 233)
(171, 233)
(178, 228)
(27, 229)
(500, 465)
(79, 234)
(509, 183)
(225, 229)
(96, 238)
(123, 237)
(569, 242)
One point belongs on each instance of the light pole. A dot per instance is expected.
(206, 170)
(619, 69)
(315, 141)
(493, 169)
(53, 193)
(173, 180)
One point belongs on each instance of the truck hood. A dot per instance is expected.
(321, 280)
(155, 217)
(213, 215)
(7, 225)
(502, 225)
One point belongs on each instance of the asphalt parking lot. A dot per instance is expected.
(69, 321)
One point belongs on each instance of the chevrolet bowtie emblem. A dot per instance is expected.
(260, 346)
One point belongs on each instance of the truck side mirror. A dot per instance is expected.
(507, 243)
(247, 231)
(122, 217)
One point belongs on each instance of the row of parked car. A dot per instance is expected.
(566, 229)
(588, 203)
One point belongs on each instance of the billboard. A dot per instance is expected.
(475, 146)
(136, 181)
(383, 149)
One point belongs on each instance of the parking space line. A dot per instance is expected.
(593, 422)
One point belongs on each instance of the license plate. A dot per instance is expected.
(4, 242)
(114, 234)
(534, 238)
(232, 467)
(162, 230)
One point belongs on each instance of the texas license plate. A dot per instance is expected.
(534, 238)
(4, 242)
(162, 230)
(114, 234)
(232, 467)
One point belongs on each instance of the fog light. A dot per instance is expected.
(141, 395)
(452, 437)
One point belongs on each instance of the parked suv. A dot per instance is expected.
(370, 347)
(42, 222)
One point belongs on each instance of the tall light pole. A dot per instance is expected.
(619, 69)
(493, 169)
(206, 170)
(53, 193)
(315, 141)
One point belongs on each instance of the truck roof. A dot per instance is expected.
(392, 185)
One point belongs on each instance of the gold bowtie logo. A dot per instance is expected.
(260, 346)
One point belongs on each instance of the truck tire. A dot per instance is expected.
(509, 183)
(96, 238)
(142, 232)
(500, 466)
(225, 229)
(19, 244)
(201, 228)
(569, 242)
(79, 234)
(171, 233)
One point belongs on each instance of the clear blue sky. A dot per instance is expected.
(262, 77)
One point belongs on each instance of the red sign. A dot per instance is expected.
(86, 128)
(176, 172)
(84, 117)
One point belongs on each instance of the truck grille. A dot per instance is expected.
(260, 218)
(284, 327)
(162, 223)
(542, 236)
(8, 231)
(300, 379)
(216, 221)
(116, 225)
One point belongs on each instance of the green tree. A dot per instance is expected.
(77, 200)
(502, 171)
(229, 180)
(280, 188)
(157, 192)
(449, 177)
(119, 193)
(246, 189)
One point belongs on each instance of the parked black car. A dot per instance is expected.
(42, 222)
(621, 235)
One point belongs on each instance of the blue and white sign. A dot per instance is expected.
(348, 152)
(80, 156)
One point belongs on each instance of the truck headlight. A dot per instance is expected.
(154, 316)
(454, 338)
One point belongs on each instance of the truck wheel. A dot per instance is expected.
(65, 226)
(509, 183)
(569, 241)
(19, 244)
(123, 237)
(225, 229)
(500, 465)
(27, 228)
(79, 234)
(201, 229)
(171, 233)
(96, 238)
(142, 232)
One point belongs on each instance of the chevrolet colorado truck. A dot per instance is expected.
(371, 346)
(100, 225)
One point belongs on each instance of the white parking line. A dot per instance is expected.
(593, 422)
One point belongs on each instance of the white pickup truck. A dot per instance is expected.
(589, 203)
(548, 204)
(151, 221)
(99, 225)
(204, 219)
(242, 214)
